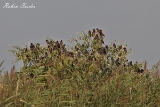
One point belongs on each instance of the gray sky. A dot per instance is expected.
(136, 22)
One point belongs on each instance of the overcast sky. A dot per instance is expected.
(136, 22)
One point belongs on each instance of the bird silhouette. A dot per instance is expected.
(47, 42)
(93, 32)
(89, 33)
(114, 45)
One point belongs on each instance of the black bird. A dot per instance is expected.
(46, 54)
(130, 63)
(61, 43)
(102, 51)
(120, 47)
(125, 50)
(37, 45)
(32, 46)
(107, 47)
(57, 44)
(47, 42)
(76, 48)
(89, 33)
(93, 32)
(114, 45)
(102, 41)
(96, 37)
(120, 54)
(25, 49)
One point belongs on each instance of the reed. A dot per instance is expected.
(89, 74)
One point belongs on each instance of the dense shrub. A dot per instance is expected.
(90, 74)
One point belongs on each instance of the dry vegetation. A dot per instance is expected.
(91, 74)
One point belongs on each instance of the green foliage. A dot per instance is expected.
(91, 74)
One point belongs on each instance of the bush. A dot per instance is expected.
(89, 74)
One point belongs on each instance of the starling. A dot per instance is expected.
(89, 33)
(63, 47)
(37, 45)
(57, 44)
(32, 46)
(69, 54)
(93, 32)
(130, 63)
(47, 42)
(45, 54)
(102, 41)
(140, 70)
(120, 47)
(101, 51)
(61, 43)
(117, 62)
(125, 50)
(97, 30)
(28, 57)
(83, 45)
(120, 54)
(25, 49)
(100, 33)
(54, 47)
(107, 47)
(76, 48)
(31, 75)
(96, 37)
(114, 45)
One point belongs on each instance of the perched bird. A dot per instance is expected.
(46, 54)
(125, 50)
(57, 44)
(102, 41)
(31, 75)
(93, 32)
(120, 54)
(63, 47)
(107, 47)
(101, 34)
(25, 49)
(102, 51)
(97, 30)
(89, 33)
(130, 63)
(47, 42)
(117, 62)
(96, 37)
(120, 47)
(69, 54)
(76, 48)
(61, 43)
(114, 45)
(140, 70)
(37, 45)
(32, 45)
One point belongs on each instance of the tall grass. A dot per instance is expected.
(87, 75)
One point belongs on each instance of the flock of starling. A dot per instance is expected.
(60, 48)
